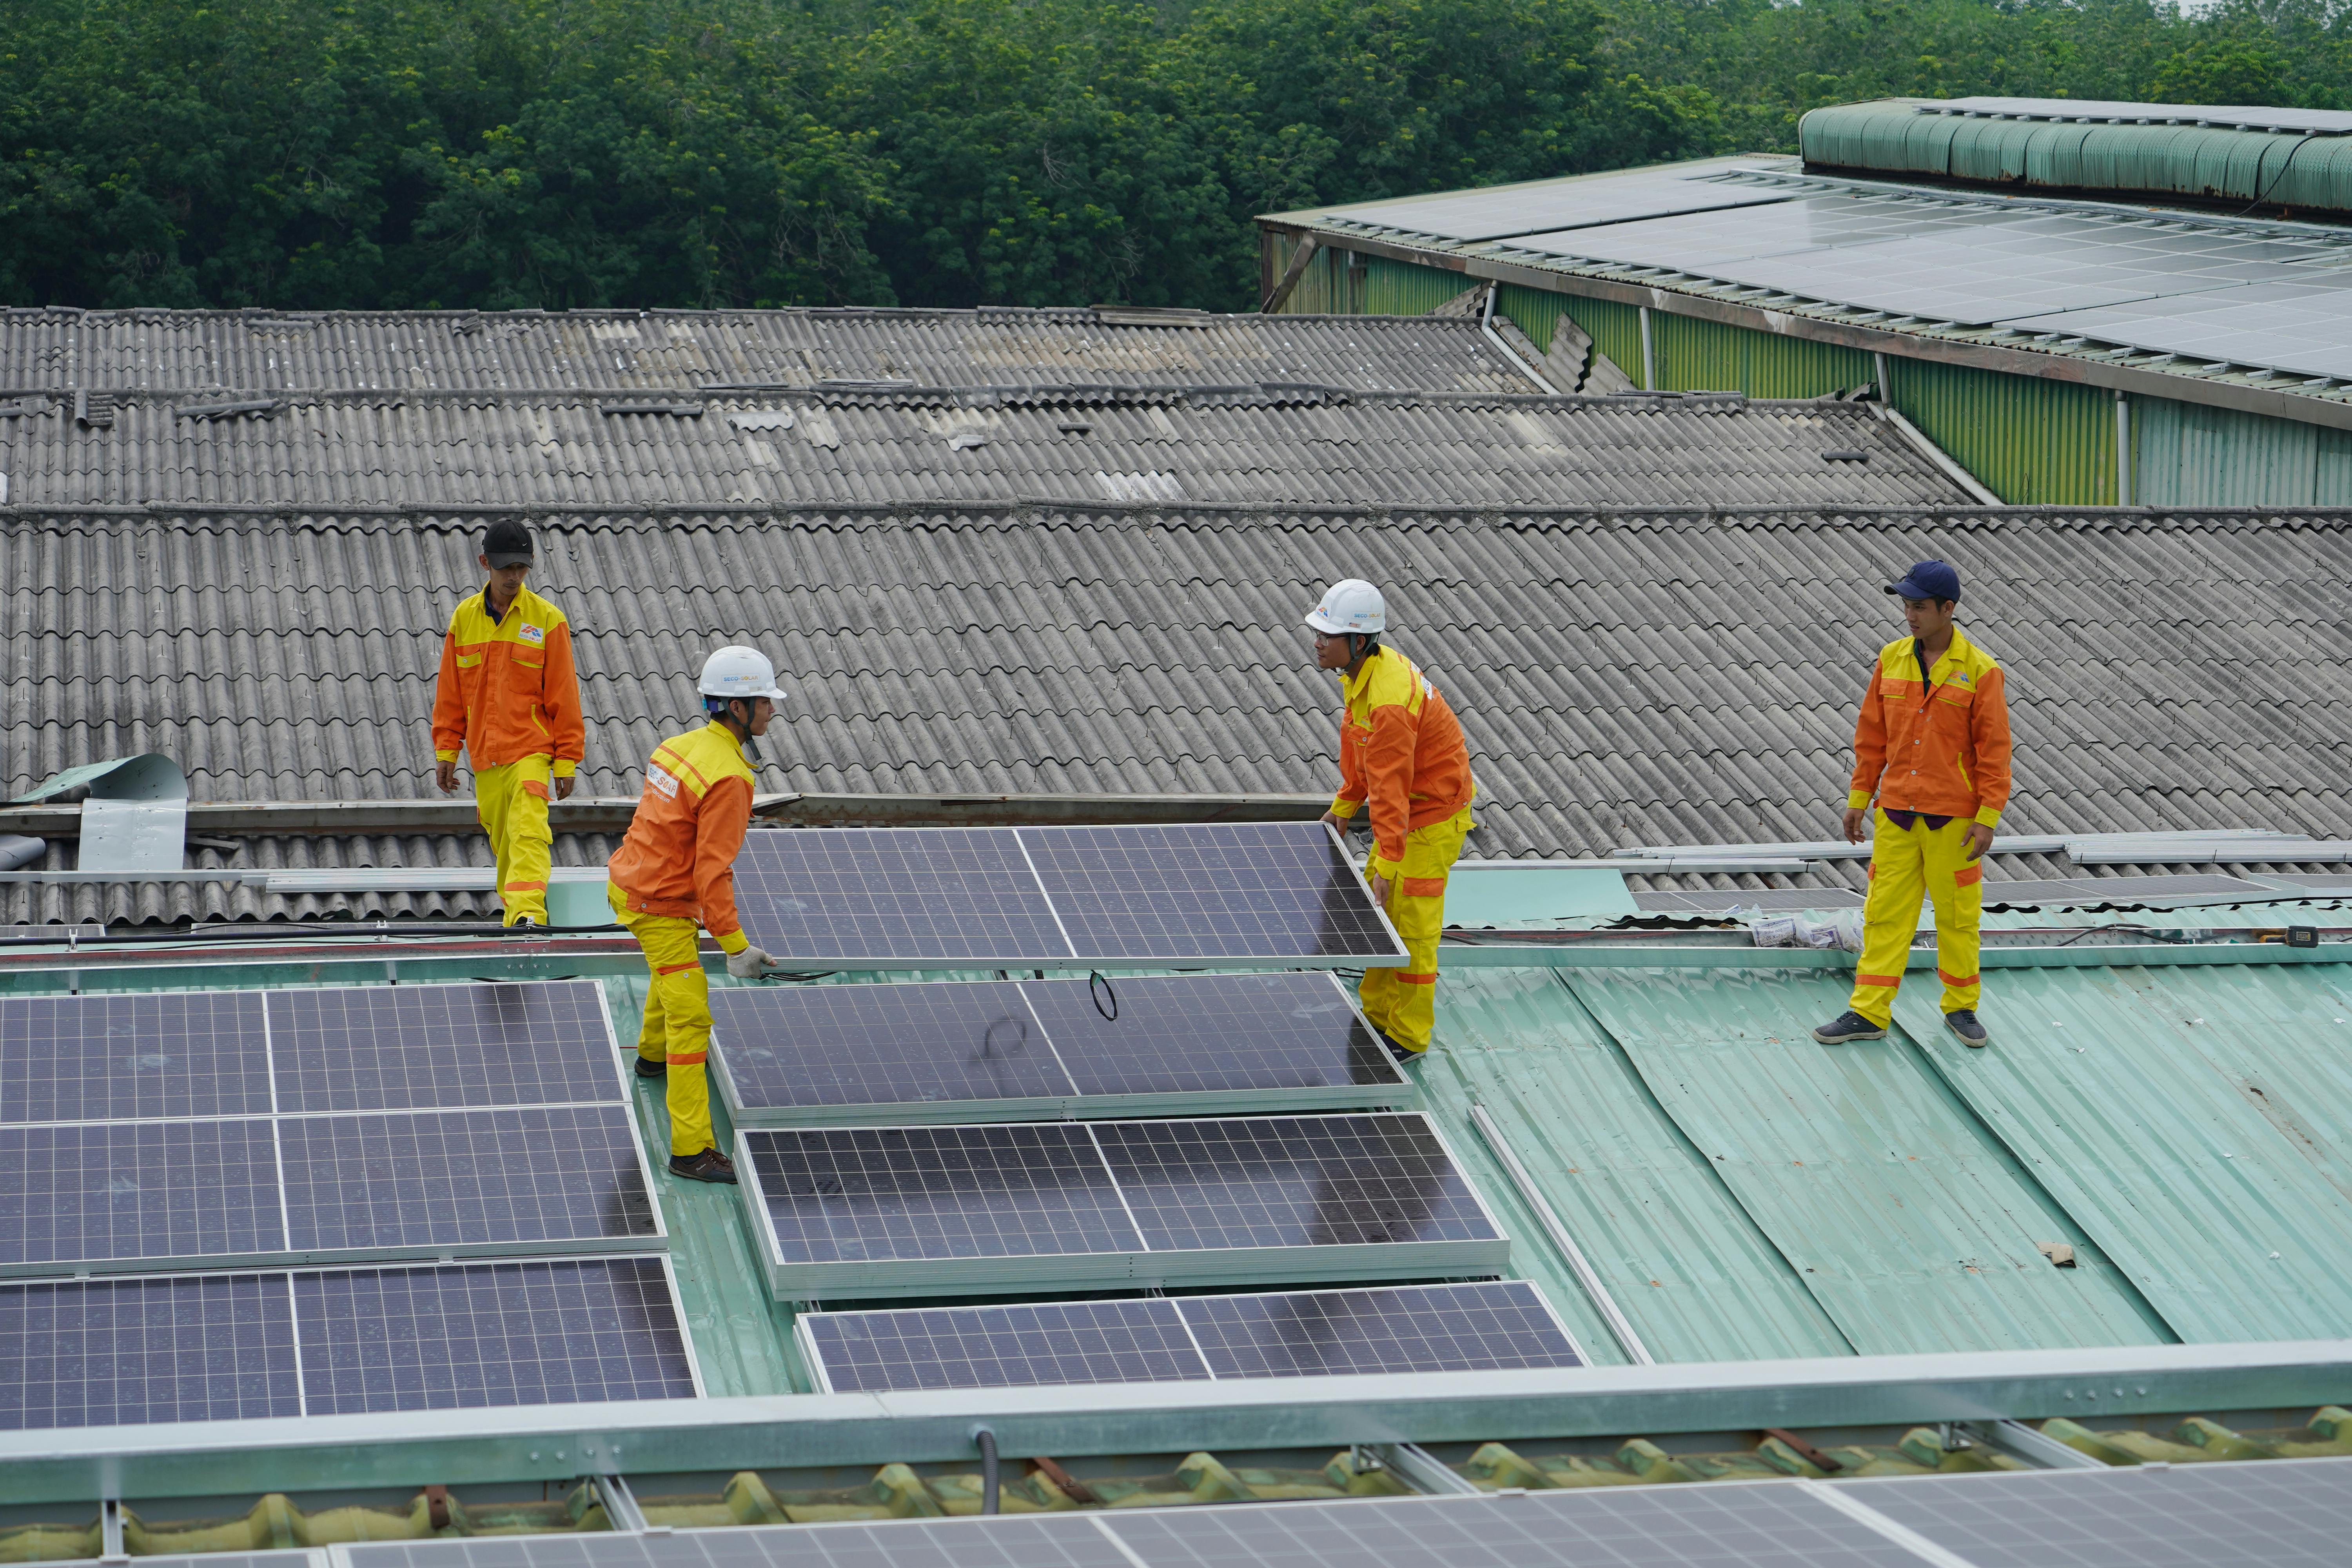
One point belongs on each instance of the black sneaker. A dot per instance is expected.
(1849, 1026)
(710, 1165)
(1964, 1025)
(648, 1068)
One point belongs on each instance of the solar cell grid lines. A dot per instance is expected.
(476, 1179)
(1482, 1326)
(872, 1211)
(491, 1334)
(1232, 893)
(107, 1191)
(389, 1047)
(127, 1352)
(108, 1058)
(1290, 1181)
(963, 1049)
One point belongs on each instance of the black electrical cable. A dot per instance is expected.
(1099, 986)
(988, 1475)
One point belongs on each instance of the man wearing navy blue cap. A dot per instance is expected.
(1932, 744)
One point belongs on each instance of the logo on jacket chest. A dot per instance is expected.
(661, 784)
(535, 635)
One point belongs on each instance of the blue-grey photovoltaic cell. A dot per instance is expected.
(879, 1045)
(1209, 1032)
(468, 1336)
(1484, 1326)
(830, 895)
(905, 1192)
(2282, 1514)
(102, 1058)
(387, 1047)
(464, 1178)
(1020, 1346)
(109, 1352)
(1290, 1181)
(118, 1191)
(1209, 890)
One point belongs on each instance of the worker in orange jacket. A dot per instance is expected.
(1404, 764)
(675, 871)
(508, 696)
(1932, 744)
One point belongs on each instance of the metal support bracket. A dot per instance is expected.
(2020, 1441)
(109, 1528)
(1424, 1470)
(621, 1506)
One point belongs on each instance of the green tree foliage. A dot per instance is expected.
(504, 153)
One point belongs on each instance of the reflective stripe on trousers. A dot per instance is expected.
(677, 1025)
(1905, 865)
(511, 802)
(1402, 1002)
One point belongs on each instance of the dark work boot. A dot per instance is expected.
(710, 1165)
(648, 1067)
(1963, 1023)
(1849, 1026)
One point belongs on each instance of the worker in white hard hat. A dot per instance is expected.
(1403, 764)
(676, 871)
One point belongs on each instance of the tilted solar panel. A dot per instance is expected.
(113, 1352)
(1481, 1326)
(389, 1047)
(1234, 894)
(894, 1211)
(124, 1191)
(119, 1058)
(1139, 1044)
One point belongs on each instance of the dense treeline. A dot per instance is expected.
(501, 153)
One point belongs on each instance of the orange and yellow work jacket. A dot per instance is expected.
(507, 690)
(678, 859)
(1934, 741)
(1402, 750)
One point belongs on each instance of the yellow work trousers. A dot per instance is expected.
(511, 802)
(1402, 1002)
(677, 1025)
(1905, 865)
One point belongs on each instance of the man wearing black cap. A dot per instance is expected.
(508, 697)
(1932, 744)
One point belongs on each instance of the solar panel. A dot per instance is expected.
(2280, 1511)
(912, 1210)
(1414, 1328)
(1070, 1048)
(2158, 890)
(109, 1352)
(137, 1191)
(476, 1180)
(1498, 212)
(467, 1336)
(389, 1047)
(109, 1057)
(1234, 894)
(999, 1541)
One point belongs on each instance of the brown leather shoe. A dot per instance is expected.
(710, 1165)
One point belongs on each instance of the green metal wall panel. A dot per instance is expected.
(1405, 288)
(2187, 454)
(1615, 330)
(1535, 311)
(2032, 442)
(1694, 356)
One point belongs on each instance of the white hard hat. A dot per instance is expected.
(1353, 606)
(734, 672)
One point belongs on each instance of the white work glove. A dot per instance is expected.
(751, 963)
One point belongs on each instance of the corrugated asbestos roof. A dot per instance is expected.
(1286, 444)
(1625, 677)
(527, 351)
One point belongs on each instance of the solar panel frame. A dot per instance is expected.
(1189, 1347)
(810, 935)
(21, 1079)
(454, 1079)
(1375, 1080)
(765, 1157)
(138, 1350)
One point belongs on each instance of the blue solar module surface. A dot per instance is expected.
(110, 1352)
(1211, 891)
(1484, 1326)
(465, 1337)
(1209, 1032)
(1290, 1181)
(826, 895)
(104, 1058)
(901, 1193)
(389, 1047)
(138, 1189)
(879, 1045)
(466, 1178)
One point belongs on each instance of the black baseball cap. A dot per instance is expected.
(507, 544)
(1928, 580)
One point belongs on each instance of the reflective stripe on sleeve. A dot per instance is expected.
(676, 969)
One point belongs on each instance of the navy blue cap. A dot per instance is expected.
(1928, 580)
